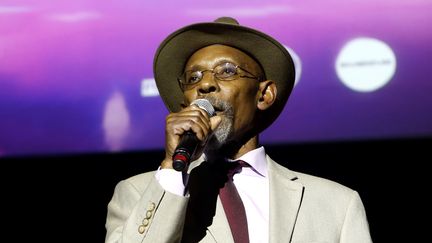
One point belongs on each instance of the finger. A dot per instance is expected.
(196, 108)
(195, 115)
(214, 122)
(189, 119)
(178, 125)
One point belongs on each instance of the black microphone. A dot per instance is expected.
(188, 141)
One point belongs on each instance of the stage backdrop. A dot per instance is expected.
(76, 76)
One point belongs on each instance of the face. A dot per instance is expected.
(234, 100)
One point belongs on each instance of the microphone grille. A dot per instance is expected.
(205, 105)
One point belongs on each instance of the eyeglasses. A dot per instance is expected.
(226, 72)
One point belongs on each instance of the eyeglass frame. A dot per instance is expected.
(182, 84)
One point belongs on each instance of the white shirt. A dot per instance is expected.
(252, 184)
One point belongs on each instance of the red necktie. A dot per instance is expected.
(233, 205)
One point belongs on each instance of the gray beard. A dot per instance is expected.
(223, 132)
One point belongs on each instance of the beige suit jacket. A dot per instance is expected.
(303, 208)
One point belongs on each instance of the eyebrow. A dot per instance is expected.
(198, 67)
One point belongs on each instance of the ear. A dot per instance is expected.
(267, 93)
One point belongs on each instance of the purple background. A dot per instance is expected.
(63, 63)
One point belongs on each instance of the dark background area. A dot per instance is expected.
(64, 198)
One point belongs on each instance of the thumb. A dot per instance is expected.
(215, 121)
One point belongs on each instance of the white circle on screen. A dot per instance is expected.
(297, 63)
(365, 64)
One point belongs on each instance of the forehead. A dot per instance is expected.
(214, 53)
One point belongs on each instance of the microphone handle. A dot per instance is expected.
(183, 153)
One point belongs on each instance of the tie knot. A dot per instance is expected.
(235, 167)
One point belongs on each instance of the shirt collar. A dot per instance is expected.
(257, 160)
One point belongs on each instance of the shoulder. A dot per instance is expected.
(322, 184)
(314, 186)
(328, 210)
(330, 194)
(326, 198)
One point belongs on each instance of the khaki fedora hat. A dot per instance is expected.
(173, 53)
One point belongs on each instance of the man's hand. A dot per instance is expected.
(192, 119)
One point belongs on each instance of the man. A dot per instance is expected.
(247, 77)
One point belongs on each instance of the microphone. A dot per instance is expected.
(188, 141)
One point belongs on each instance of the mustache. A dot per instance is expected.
(220, 105)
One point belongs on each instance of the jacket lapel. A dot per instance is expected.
(285, 198)
(220, 229)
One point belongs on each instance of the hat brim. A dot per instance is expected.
(175, 50)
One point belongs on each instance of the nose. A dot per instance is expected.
(208, 84)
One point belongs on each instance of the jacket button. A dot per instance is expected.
(151, 206)
(141, 229)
